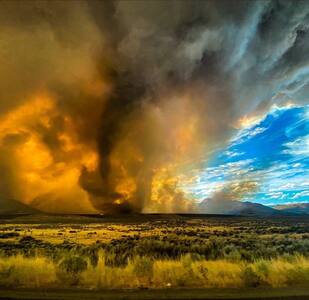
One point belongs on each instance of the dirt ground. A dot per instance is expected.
(299, 293)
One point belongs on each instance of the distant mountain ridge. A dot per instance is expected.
(10, 206)
(233, 207)
(295, 208)
(207, 206)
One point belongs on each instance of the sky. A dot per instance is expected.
(272, 153)
(126, 106)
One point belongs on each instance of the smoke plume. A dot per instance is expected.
(228, 199)
(102, 102)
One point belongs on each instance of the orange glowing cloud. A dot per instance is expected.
(46, 180)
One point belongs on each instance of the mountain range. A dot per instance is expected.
(230, 207)
(207, 206)
(294, 208)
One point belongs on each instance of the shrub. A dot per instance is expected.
(7, 235)
(143, 266)
(74, 264)
(70, 269)
(250, 277)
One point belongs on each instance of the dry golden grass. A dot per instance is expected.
(280, 272)
(90, 233)
(19, 271)
(224, 256)
(188, 273)
(27, 272)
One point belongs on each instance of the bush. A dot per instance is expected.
(71, 268)
(251, 279)
(143, 266)
(73, 265)
(7, 235)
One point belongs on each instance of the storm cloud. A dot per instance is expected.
(128, 91)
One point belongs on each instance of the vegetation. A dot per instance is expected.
(181, 252)
(38, 271)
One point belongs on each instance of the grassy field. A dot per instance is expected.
(160, 252)
(145, 272)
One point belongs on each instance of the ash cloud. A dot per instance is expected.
(147, 85)
(228, 200)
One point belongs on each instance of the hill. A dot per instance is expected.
(230, 207)
(295, 208)
(10, 206)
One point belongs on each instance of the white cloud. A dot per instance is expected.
(299, 147)
(301, 194)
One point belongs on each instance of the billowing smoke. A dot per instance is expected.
(104, 102)
(227, 201)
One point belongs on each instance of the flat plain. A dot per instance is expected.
(153, 257)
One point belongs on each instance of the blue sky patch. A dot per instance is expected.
(274, 154)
